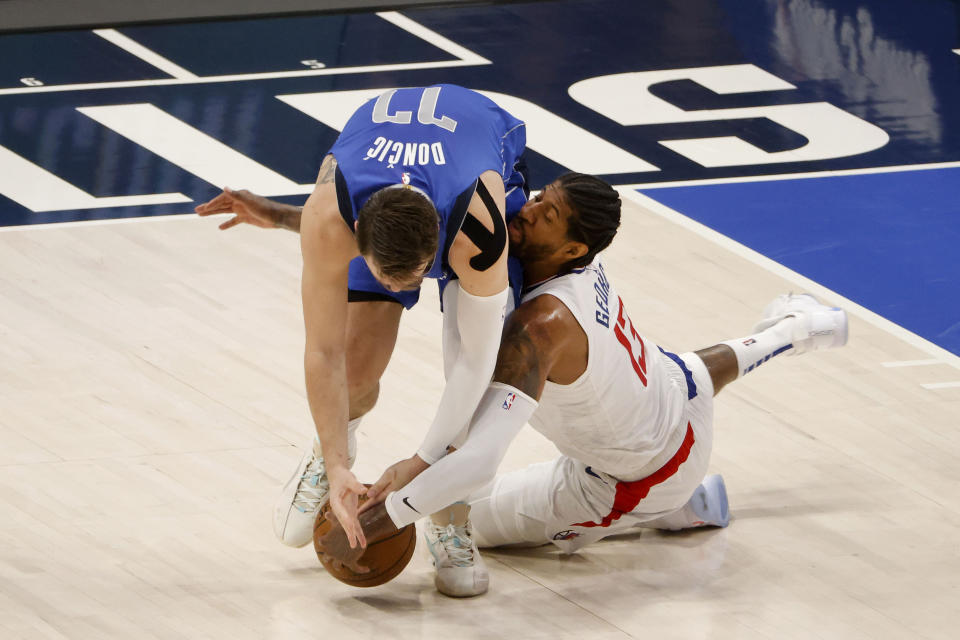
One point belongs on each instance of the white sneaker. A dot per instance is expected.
(461, 571)
(817, 327)
(707, 507)
(301, 499)
(709, 502)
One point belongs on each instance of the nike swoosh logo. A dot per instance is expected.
(407, 502)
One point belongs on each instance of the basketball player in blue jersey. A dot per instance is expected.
(419, 184)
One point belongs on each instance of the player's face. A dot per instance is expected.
(394, 283)
(539, 230)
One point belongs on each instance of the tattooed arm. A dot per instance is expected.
(541, 341)
(259, 211)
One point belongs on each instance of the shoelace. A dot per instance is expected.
(313, 488)
(456, 542)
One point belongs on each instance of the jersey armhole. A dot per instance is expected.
(343, 200)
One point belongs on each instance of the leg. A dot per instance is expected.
(793, 324)
(461, 571)
(540, 504)
(721, 363)
(498, 519)
(570, 505)
(706, 507)
(371, 336)
(373, 318)
(706, 504)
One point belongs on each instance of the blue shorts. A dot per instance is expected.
(362, 286)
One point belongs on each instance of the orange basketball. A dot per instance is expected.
(385, 558)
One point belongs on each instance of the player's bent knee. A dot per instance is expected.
(362, 401)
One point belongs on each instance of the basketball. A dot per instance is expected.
(385, 558)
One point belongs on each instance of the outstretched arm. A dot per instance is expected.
(259, 211)
(328, 247)
(252, 209)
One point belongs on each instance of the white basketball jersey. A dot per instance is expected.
(622, 415)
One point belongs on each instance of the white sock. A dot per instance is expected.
(752, 351)
(352, 426)
(352, 439)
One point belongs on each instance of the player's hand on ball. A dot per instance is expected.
(248, 207)
(397, 476)
(337, 549)
(345, 492)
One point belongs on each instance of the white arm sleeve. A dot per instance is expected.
(502, 413)
(479, 324)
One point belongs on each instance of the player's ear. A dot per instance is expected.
(575, 250)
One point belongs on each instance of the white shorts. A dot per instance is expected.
(572, 505)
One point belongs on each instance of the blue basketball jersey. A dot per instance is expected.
(437, 139)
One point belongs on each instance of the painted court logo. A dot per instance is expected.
(508, 401)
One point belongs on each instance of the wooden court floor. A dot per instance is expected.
(152, 404)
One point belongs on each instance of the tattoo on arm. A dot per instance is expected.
(289, 219)
(328, 170)
(519, 362)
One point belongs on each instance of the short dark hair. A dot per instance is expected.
(397, 227)
(596, 214)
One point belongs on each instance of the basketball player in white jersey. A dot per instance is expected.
(634, 422)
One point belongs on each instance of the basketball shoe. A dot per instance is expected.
(461, 572)
(817, 326)
(707, 507)
(302, 497)
(709, 502)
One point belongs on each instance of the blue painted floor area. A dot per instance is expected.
(889, 241)
(886, 241)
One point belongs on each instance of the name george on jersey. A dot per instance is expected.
(407, 154)
(602, 287)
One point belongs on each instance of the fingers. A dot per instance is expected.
(226, 202)
(346, 513)
(354, 535)
(357, 531)
(376, 496)
(232, 222)
(354, 485)
(378, 488)
(369, 504)
(343, 502)
(222, 203)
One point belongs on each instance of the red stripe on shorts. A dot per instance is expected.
(629, 494)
